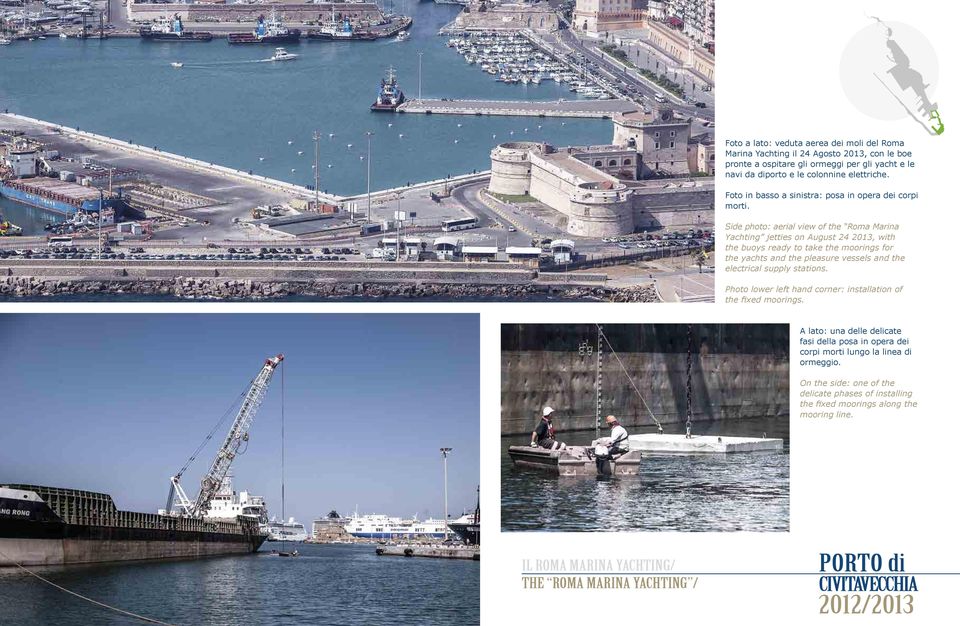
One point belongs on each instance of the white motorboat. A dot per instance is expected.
(280, 54)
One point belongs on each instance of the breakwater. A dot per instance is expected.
(31, 287)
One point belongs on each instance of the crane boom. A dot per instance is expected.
(236, 436)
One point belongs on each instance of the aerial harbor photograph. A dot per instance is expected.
(645, 427)
(326, 471)
(363, 151)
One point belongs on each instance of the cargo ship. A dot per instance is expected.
(270, 31)
(390, 96)
(172, 30)
(59, 196)
(53, 526)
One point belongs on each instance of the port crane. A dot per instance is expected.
(236, 437)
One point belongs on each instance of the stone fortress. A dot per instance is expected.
(606, 191)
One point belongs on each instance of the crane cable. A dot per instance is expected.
(213, 431)
(630, 379)
(142, 618)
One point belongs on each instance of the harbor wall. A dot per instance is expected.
(737, 371)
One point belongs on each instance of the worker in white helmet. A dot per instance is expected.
(544, 436)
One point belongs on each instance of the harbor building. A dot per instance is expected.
(603, 191)
(596, 16)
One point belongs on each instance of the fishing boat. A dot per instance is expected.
(267, 31)
(390, 96)
(172, 30)
(280, 54)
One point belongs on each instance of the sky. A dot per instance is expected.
(117, 403)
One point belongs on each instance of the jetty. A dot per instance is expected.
(600, 109)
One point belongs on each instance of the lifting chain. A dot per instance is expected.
(689, 377)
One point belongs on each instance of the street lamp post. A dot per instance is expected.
(369, 135)
(100, 227)
(420, 77)
(444, 452)
(316, 171)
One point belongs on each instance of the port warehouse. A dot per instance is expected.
(77, 507)
(242, 12)
(738, 371)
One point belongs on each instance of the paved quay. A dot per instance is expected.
(551, 108)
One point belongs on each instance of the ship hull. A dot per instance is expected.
(29, 552)
(50, 204)
(172, 37)
(249, 38)
(32, 533)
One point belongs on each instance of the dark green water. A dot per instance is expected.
(327, 584)
(225, 107)
(734, 492)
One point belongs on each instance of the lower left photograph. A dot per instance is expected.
(188, 469)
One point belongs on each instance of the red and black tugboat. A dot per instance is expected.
(270, 31)
(390, 96)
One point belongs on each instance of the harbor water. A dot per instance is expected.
(228, 107)
(30, 219)
(734, 492)
(326, 584)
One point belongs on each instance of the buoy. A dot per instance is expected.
(330, 165)
(401, 135)
(290, 143)
(332, 135)
(299, 152)
(459, 125)
(390, 125)
(261, 158)
(349, 145)
(456, 141)
(293, 169)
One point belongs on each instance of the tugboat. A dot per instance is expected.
(172, 31)
(272, 31)
(390, 96)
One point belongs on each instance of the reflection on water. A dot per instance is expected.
(328, 584)
(732, 492)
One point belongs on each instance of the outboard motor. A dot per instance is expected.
(601, 455)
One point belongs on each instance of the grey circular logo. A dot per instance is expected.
(889, 71)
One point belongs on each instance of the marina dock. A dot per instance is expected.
(470, 553)
(602, 109)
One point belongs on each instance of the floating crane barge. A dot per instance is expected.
(53, 526)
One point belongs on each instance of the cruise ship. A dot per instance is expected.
(383, 527)
(290, 530)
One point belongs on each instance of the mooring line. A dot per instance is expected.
(148, 620)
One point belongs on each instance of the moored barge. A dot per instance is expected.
(53, 526)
